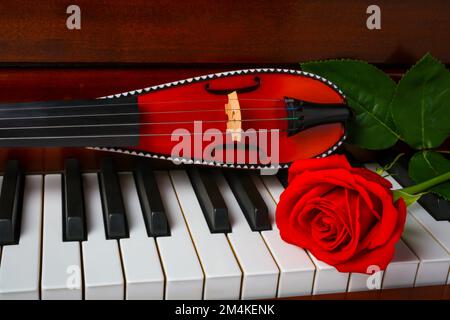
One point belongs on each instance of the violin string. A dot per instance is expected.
(138, 135)
(20, 108)
(120, 114)
(143, 123)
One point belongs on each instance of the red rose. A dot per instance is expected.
(345, 216)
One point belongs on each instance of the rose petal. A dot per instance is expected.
(372, 176)
(380, 256)
(388, 215)
(332, 162)
(334, 177)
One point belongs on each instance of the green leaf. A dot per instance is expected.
(369, 92)
(429, 164)
(421, 106)
(407, 197)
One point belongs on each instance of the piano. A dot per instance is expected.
(161, 234)
(84, 224)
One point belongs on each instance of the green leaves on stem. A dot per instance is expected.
(413, 193)
(428, 164)
(369, 92)
(421, 105)
(416, 111)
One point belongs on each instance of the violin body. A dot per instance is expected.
(248, 118)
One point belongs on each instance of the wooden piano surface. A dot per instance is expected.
(419, 293)
(202, 31)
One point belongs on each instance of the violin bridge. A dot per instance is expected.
(233, 111)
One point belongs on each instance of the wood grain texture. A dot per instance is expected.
(205, 31)
(418, 293)
(21, 84)
(40, 84)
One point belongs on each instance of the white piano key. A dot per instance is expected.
(103, 277)
(401, 272)
(440, 230)
(222, 273)
(260, 272)
(21, 264)
(327, 279)
(296, 268)
(184, 275)
(434, 259)
(142, 267)
(61, 261)
(365, 282)
(274, 187)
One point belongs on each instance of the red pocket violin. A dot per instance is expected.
(247, 118)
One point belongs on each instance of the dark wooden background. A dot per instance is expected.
(235, 31)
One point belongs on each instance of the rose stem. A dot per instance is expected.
(426, 185)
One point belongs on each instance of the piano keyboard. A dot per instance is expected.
(177, 235)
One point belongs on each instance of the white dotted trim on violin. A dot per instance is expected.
(210, 163)
(220, 75)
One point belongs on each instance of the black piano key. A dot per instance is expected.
(249, 199)
(435, 205)
(11, 204)
(150, 198)
(210, 199)
(74, 218)
(282, 175)
(116, 224)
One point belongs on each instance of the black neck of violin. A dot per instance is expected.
(71, 123)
